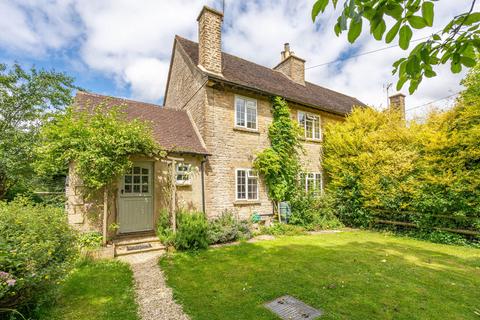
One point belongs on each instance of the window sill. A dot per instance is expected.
(254, 131)
(309, 140)
(246, 202)
(183, 184)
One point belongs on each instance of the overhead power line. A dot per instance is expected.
(362, 54)
(426, 104)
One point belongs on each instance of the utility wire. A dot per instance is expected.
(426, 104)
(362, 54)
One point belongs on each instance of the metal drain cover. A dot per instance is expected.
(139, 246)
(289, 308)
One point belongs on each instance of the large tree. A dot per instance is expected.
(458, 43)
(26, 98)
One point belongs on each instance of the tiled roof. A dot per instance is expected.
(172, 129)
(257, 77)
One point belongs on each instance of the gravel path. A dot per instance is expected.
(153, 296)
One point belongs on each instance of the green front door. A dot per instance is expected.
(135, 212)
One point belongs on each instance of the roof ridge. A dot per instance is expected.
(98, 95)
(271, 69)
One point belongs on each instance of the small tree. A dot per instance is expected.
(25, 98)
(99, 143)
(279, 164)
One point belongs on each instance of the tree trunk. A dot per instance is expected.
(105, 215)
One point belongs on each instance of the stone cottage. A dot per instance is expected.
(214, 121)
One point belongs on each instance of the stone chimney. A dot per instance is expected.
(397, 102)
(210, 40)
(292, 66)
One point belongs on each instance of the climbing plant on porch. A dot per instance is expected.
(280, 163)
(99, 142)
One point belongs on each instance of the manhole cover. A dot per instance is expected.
(289, 308)
(139, 246)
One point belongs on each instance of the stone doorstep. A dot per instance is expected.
(135, 240)
(121, 250)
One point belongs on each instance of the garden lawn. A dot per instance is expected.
(351, 275)
(95, 290)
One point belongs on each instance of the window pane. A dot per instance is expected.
(144, 171)
(128, 179)
(241, 184)
(251, 115)
(317, 128)
(145, 188)
(240, 112)
(128, 188)
(145, 179)
(308, 128)
(136, 179)
(301, 119)
(136, 170)
(318, 182)
(136, 188)
(252, 188)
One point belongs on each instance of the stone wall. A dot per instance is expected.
(85, 210)
(294, 68)
(210, 40)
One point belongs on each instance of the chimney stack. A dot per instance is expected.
(397, 102)
(292, 66)
(210, 40)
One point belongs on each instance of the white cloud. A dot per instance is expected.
(131, 41)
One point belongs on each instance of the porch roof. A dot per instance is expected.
(172, 129)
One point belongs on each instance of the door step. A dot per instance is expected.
(130, 246)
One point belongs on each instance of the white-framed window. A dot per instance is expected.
(246, 184)
(183, 174)
(245, 113)
(310, 123)
(312, 182)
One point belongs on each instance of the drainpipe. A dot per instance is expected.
(202, 169)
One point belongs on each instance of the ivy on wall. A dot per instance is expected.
(280, 163)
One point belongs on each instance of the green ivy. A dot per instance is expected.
(279, 164)
(99, 143)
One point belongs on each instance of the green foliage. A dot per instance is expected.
(191, 234)
(279, 164)
(90, 240)
(37, 246)
(26, 98)
(458, 42)
(99, 143)
(427, 173)
(282, 229)
(192, 231)
(226, 228)
(313, 212)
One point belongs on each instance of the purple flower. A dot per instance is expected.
(11, 282)
(4, 275)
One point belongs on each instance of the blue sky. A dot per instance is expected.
(123, 47)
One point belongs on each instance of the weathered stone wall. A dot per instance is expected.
(85, 211)
(234, 148)
(210, 40)
(186, 88)
(294, 68)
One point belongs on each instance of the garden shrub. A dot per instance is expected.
(313, 212)
(282, 229)
(191, 234)
(90, 240)
(37, 247)
(227, 228)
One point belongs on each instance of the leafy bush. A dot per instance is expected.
(227, 228)
(313, 212)
(282, 229)
(37, 247)
(164, 231)
(90, 240)
(191, 232)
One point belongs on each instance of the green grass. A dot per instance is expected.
(95, 290)
(351, 275)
